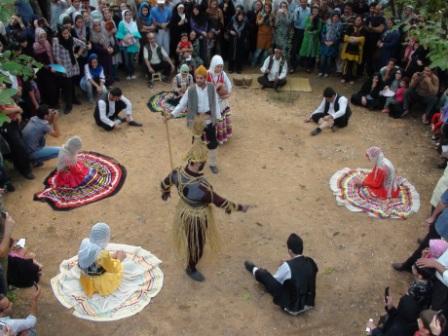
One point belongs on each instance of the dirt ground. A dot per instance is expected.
(271, 162)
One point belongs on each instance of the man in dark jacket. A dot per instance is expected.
(293, 286)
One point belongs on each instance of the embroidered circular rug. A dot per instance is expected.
(106, 178)
(142, 280)
(356, 198)
(164, 102)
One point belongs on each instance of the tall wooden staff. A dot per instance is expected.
(167, 129)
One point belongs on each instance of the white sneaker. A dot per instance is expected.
(320, 74)
(326, 75)
(128, 78)
(133, 76)
(342, 81)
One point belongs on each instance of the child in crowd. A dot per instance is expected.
(184, 47)
(394, 106)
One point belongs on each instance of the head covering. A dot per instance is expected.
(131, 26)
(91, 247)
(201, 71)
(94, 72)
(216, 60)
(184, 68)
(375, 154)
(67, 44)
(39, 47)
(199, 151)
(145, 19)
(100, 37)
(437, 247)
(442, 224)
(73, 144)
(160, 2)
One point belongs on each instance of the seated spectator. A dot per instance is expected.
(333, 111)
(108, 108)
(23, 270)
(421, 287)
(184, 48)
(399, 321)
(369, 94)
(423, 88)
(182, 81)
(293, 286)
(156, 58)
(437, 122)
(35, 131)
(101, 271)
(275, 70)
(388, 71)
(7, 225)
(394, 106)
(196, 58)
(15, 326)
(430, 323)
(93, 80)
(11, 132)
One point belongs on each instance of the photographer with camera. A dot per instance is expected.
(35, 131)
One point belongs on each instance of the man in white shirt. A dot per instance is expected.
(274, 70)
(156, 58)
(201, 98)
(333, 111)
(108, 108)
(293, 286)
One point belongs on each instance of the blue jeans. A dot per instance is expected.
(45, 153)
(326, 64)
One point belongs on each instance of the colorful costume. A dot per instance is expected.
(194, 222)
(224, 126)
(99, 287)
(379, 192)
(100, 272)
(81, 178)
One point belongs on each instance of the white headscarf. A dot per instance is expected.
(216, 60)
(91, 247)
(130, 26)
(69, 151)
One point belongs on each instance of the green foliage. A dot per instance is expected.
(432, 30)
(22, 65)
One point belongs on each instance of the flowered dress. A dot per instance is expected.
(224, 126)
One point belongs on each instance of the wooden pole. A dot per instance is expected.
(169, 142)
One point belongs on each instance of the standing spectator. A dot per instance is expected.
(144, 19)
(94, 79)
(16, 326)
(24, 10)
(265, 23)
(64, 54)
(128, 35)
(228, 11)
(161, 16)
(57, 7)
(329, 48)
(179, 25)
(111, 29)
(199, 25)
(156, 58)
(375, 24)
(281, 32)
(215, 19)
(252, 26)
(35, 131)
(310, 44)
(423, 88)
(301, 14)
(388, 44)
(238, 41)
(101, 46)
(352, 50)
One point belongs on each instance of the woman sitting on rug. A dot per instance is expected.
(70, 172)
(381, 180)
(101, 271)
(182, 81)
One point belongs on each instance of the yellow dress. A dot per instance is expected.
(106, 283)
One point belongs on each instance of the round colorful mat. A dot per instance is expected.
(106, 179)
(345, 186)
(164, 102)
(142, 280)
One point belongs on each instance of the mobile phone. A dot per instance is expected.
(386, 294)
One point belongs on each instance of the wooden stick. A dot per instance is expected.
(169, 142)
